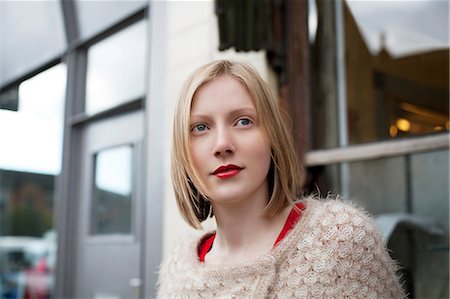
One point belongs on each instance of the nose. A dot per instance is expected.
(224, 144)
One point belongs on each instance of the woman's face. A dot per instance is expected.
(229, 146)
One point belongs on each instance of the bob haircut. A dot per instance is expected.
(284, 177)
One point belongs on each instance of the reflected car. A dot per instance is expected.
(26, 266)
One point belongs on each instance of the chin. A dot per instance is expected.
(229, 196)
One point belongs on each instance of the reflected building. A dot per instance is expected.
(26, 202)
(86, 201)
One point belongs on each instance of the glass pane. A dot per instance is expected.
(430, 177)
(397, 68)
(112, 191)
(30, 160)
(95, 16)
(26, 44)
(379, 185)
(116, 69)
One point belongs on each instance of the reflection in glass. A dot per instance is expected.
(94, 16)
(30, 159)
(43, 30)
(115, 72)
(112, 191)
(397, 68)
(33, 142)
(379, 185)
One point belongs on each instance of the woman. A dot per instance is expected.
(233, 157)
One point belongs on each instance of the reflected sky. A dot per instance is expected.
(116, 69)
(94, 16)
(113, 170)
(409, 27)
(31, 138)
(31, 32)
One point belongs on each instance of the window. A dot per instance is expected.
(380, 73)
(116, 69)
(30, 161)
(396, 62)
(26, 25)
(111, 211)
(95, 16)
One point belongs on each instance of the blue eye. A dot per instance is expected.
(244, 122)
(199, 128)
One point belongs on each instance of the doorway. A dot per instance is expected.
(111, 206)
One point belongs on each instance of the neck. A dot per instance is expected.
(237, 225)
(243, 231)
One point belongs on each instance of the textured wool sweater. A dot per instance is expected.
(334, 251)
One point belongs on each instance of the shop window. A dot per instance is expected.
(30, 161)
(116, 69)
(111, 210)
(397, 69)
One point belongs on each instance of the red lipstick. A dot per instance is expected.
(228, 171)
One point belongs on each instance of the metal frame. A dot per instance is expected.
(153, 145)
(341, 94)
(66, 209)
(378, 150)
(82, 119)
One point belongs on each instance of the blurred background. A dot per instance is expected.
(87, 93)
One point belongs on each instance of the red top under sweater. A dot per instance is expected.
(206, 245)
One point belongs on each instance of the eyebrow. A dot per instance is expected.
(244, 110)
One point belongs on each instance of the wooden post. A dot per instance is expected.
(297, 91)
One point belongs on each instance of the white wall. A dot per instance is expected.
(192, 40)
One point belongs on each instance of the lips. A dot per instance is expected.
(228, 171)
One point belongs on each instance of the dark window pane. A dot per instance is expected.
(112, 191)
(31, 32)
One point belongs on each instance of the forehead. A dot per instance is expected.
(221, 94)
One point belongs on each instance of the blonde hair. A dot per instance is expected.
(285, 176)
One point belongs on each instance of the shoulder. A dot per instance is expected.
(343, 240)
(337, 220)
(186, 251)
(180, 264)
(336, 211)
(334, 205)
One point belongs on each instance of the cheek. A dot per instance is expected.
(198, 151)
(259, 148)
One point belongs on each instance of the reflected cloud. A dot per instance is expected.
(32, 136)
(405, 27)
(113, 170)
(116, 69)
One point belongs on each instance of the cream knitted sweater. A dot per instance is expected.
(334, 251)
